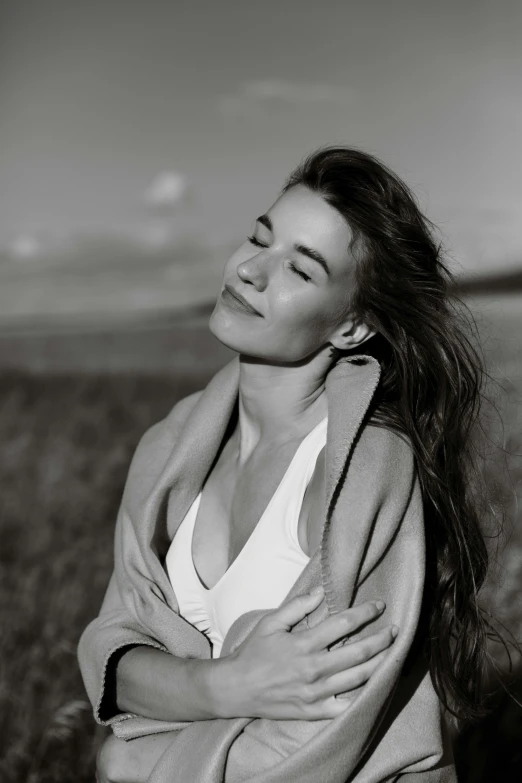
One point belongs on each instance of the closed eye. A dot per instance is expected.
(256, 242)
(301, 274)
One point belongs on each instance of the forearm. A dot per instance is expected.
(155, 684)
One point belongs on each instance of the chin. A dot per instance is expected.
(225, 330)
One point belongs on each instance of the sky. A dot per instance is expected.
(139, 140)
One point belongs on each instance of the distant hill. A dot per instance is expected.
(166, 340)
(504, 283)
(163, 342)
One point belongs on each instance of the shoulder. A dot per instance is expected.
(383, 449)
(155, 445)
(167, 428)
(381, 458)
(381, 467)
(152, 453)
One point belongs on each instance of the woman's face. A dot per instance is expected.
(301, 304)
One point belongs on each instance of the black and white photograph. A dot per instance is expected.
(260, 391)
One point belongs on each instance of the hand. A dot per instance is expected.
(291, 676)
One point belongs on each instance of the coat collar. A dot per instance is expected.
(350, 386)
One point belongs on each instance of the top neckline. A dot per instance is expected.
(195, 509)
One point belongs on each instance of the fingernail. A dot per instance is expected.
(380, 605)
(394, 630)
(316, 590)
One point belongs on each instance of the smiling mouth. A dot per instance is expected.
(229, 298)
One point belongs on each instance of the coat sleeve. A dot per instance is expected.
(100, 646)
(114, 630)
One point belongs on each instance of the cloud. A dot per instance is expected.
(254, 94)
(25, 247)
(168, 188)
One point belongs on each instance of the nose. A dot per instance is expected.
(253, 270)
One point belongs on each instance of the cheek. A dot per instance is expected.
(302, 316)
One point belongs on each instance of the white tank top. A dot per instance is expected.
(266, 568)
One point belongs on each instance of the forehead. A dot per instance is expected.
(300, 215)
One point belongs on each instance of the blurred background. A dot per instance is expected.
(138, 142)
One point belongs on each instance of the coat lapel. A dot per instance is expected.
(350, 385)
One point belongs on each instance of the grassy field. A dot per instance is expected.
(65, 445)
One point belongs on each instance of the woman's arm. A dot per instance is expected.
(155, 684)
(127, 672)
(269, 675)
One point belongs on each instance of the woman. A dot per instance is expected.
(342, 265)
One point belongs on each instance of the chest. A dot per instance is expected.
(234, 500)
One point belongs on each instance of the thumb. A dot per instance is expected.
(283, 618)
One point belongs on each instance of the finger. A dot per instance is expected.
(349, 655)
(329, 707)
(338, 625)
(332, 707)
(283, 618)
(351, 678)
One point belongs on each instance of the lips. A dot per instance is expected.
(228, 290)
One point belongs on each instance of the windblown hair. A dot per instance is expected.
(431, 388)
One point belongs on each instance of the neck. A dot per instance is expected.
(278, 403)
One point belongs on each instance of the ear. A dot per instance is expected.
(351, 334)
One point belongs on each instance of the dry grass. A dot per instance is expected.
(66, 443)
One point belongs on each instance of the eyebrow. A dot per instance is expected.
(306, 251)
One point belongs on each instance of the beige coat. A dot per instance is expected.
(373, 546)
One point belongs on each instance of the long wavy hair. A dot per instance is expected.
(431, 388)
